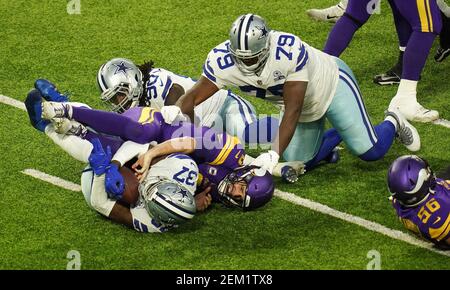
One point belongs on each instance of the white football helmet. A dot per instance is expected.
(120, 76)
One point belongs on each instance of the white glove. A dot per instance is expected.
(171, 114)
(444, 7)
(267, 161)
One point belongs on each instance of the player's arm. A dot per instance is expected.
(202, 90)
(293, 96)
(175, 92)
(134, 218)
(185, 145)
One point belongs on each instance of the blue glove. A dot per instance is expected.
(99, 160)
(114, 182)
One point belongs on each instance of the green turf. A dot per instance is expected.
(40, 223)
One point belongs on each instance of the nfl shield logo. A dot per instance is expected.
(259, 82)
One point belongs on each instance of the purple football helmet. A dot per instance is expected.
(259, 190)
(410, 180)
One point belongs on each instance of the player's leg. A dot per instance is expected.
(311, 145)
(348, 115)
(33, 104)
(444, 37)
(356, 15)
(404, 30)
(425, 20)
(236, 114)
(330, 14)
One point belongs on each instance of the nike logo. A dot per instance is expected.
(332, 17)
(437, 220)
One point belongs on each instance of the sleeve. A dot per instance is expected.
(99, 198)
(299, 72)
(157, 88)
(217, 65)
(129, 150)
(142, 222)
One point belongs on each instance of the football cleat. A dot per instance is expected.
(416, 112)
(441, 54)
(49, 91)
(334, 156)
(330, 14)
(69, 127)
(34, 109)
(52, 110)
(288, 174)
(392, 76)
(406, 132)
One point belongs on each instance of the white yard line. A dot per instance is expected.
(52, 179)
(12, 102)
(290, 197)
(371, 226)
(442, 122)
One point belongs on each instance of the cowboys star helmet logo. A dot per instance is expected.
(263, 30)
(184, 194)
(121, 68)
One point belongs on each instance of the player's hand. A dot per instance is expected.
(99, 159)
(171, 114)
(267, 161)
(203, 199)
(114, 182)
(142, 166)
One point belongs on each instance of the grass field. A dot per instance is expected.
(40, 223)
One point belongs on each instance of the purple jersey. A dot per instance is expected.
(211, 176)
(145, 124)
(431, 219)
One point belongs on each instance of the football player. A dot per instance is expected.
(162, 200)
(417, 24)
(124, 85)
(205, 145)
(421, 201)
(310, 86)
(444, 49)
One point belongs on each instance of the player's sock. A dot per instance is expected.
(416, 54)
(406, 93)
(330, 140)
(386, 134)
(341, 35)
(33, 104)
(113, 124)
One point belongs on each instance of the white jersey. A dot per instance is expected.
(177, 167)
(159, 84)
(289, 59)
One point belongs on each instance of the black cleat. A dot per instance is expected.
(441, 54)
(392, 76)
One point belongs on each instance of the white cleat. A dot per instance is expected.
(69, 127)
(52, 110)
(330, 14)
(406, 132)
(417, 113)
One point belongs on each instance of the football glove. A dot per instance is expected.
(114, 182)
(267, 160)
(171, 114)
(99, 159)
